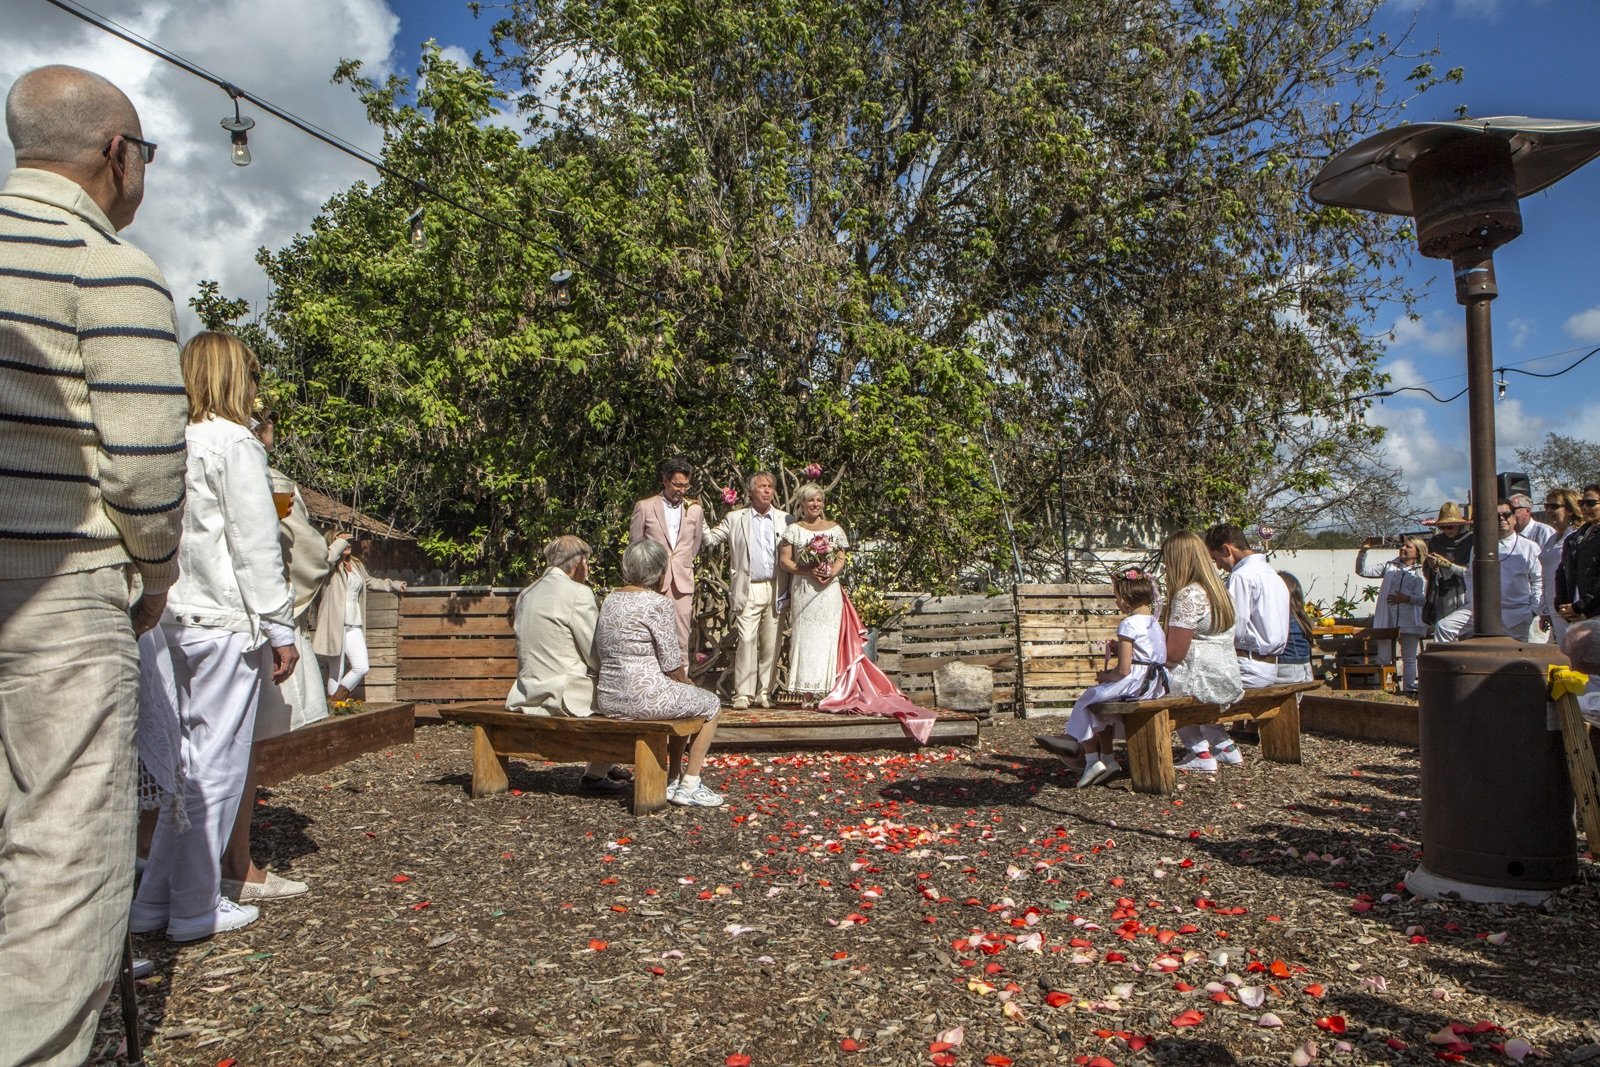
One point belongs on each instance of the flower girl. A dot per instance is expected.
(1136, 670)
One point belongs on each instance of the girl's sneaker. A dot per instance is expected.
(1204, 764)
(1227, 752)
(698, 797)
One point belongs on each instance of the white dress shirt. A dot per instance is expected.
(674, 517)
(763, 547)
(1537, 532)
(1260, 606)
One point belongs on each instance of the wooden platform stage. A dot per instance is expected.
(802, 728)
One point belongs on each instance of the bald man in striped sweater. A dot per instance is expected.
(92, 414)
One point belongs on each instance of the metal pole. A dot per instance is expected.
(1475, 288)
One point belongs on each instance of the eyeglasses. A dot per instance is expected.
(1503, 514)
(1588, 503)
(1554, 505)
(147, 149)
(1524, 507)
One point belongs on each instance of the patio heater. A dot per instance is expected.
(1497, 806)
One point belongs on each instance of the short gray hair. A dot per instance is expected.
(750, 482)
(1582, 645)
(565, 551)
(63, 114)
(1521, 500)
(643, 564)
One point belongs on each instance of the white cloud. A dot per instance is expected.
(203, 217)
(1402, 373)
(1428, 443)
(1585, 325)
(1519, 329)
(1432, 333)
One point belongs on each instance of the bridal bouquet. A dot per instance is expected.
(820, 549)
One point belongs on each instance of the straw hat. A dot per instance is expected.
(1450, 515)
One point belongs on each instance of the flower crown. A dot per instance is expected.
(1131, 574)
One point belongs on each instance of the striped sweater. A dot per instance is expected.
(92, 406)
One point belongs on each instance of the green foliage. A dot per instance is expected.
(1076, 230)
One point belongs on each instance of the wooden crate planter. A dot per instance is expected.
(1361, 720)
(1062, 632)
(333, 742)
(456, 646)
(973, 628)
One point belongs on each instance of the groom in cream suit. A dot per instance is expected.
(675, 522)
(758, 591)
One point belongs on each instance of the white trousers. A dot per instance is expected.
(219, 687)
(352, 664)
(755, 658)
(69, 674)
(1409, 644)
(1200, 738)
(1458, 624)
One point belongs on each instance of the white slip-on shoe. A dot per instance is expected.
(1228, 753)
(227, 916)
(1098, 771)
(275, 887)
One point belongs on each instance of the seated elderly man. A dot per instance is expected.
(556, 661)
(1582, 646)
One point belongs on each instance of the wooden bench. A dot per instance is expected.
(654, 747)
(1149, 725)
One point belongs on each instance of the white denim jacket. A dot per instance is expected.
(230, 564)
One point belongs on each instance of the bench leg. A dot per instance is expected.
(1150, 751)
(649, 774)
(676, 747)
(488, 766)
(1280, 735)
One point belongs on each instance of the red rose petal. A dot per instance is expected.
(1188, 1018)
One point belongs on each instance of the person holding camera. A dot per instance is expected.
(1400, 602)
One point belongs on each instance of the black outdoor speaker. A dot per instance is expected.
(1510, 483)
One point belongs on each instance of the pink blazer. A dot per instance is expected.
(650, 524)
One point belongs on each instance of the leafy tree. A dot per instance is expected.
(1090, 216)
(937, 248)
(1561, 460)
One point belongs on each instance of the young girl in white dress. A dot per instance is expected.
(1139, 672)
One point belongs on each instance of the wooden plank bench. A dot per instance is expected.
(1149, 725)
(654, 747)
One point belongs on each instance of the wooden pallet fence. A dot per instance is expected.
(455, 646)
(383, 623)
(934, 631)
(1062, 632)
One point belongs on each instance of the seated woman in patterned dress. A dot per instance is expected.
(642, 670)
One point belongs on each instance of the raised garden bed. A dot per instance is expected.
(333, 742)
(1360, 716)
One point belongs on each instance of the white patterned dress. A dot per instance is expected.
(636, 640)
(814, 613)
(1210, 670)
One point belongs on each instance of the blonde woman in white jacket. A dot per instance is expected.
(341, 635)
(228, 631)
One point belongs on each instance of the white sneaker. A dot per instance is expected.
(228, 916)
(698, 797)
(1228, 753)
(740, 703)
(1203, 764)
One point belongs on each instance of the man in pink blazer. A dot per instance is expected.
(677, 523)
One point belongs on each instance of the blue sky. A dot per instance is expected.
(204, 218)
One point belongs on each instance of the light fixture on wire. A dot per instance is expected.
(561, 283)
(238, 128)
(1500, 387)
(414, 228)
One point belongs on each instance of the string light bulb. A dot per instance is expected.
(561, 281)
(1500, 387)
(414, 223)
(238, 129)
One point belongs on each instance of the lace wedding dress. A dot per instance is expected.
(814, 613)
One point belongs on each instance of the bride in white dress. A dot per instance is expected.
(813, 552)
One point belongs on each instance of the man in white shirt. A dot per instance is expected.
(1521, 585)
(758, 590)
(1261, 620)
(1528, 526)
(675, 522)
